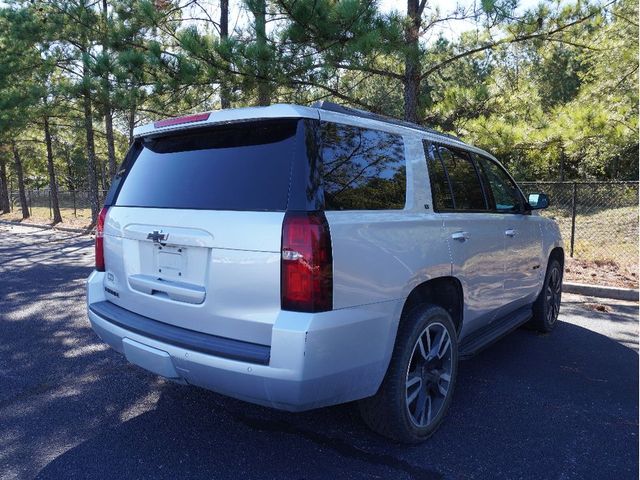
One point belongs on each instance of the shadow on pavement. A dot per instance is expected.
(563, 405)
(530, 407)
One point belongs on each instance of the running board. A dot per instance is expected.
(484, 337)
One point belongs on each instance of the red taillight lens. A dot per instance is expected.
(100, 239)
(307, 263)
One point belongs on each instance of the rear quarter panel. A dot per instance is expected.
(382, 255)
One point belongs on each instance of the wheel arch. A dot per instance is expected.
(558, 254)
(445, 292)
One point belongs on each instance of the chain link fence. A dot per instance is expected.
(73, 204)
(598, 220)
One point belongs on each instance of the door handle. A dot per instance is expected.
(461, 236)
(510, 232)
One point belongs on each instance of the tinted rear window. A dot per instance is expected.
(244, 166)
(463, 180)
(440, 187)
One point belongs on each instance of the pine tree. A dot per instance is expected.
(261, 52)
(20, 174)
(5, 205)
(74, 26)
(107, 107)
(53, 185)
(225, 91)
(19, 93)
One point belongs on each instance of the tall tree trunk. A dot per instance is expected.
(53, 187)
(615, 167)
(92, 177)
(103, 177)
(412, 63)
(132, 121)
(111, 149)
(71, 183)
(259, 10)
(108, 109)
(4, 187)
(23, 195)
(225, 91)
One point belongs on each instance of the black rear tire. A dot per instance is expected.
(547, 306)
(410, 404)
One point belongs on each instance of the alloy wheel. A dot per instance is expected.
(553, 294)
(429, 373)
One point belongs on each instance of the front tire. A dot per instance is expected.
(417, 389)
(547, 306)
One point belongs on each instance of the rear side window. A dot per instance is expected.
(457, 171)
(243, 166)
(464, 180)
(440, 188)
(362, 169)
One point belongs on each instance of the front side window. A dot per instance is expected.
(362, 169)
(463, 178)
(503, 191)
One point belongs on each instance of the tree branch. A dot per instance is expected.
(504, 41)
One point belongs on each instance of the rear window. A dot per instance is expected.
(243, 166)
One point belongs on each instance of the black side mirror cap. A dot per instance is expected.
(538, 201)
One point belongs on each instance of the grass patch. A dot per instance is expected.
(606, 237)
(40, 215)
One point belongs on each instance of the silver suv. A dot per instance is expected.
(301, 257)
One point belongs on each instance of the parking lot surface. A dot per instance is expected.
(556, 406)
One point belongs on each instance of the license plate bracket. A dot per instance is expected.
(171, 262)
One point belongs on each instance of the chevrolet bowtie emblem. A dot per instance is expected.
(157, 237)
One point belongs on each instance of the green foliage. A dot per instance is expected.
(551, 91)
(552, 110)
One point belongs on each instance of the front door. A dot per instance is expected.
(524, 265)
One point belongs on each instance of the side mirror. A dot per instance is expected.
(538, 201)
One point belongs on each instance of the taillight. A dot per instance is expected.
(306, 263)
(100, 239)
(198, 117)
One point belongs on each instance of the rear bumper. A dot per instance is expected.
(314, 360)
(181, 337)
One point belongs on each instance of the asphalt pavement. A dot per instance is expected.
(557, 406)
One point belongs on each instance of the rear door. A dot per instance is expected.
(475, 235)
(193, 231)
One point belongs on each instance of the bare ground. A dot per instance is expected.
(598, 272)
